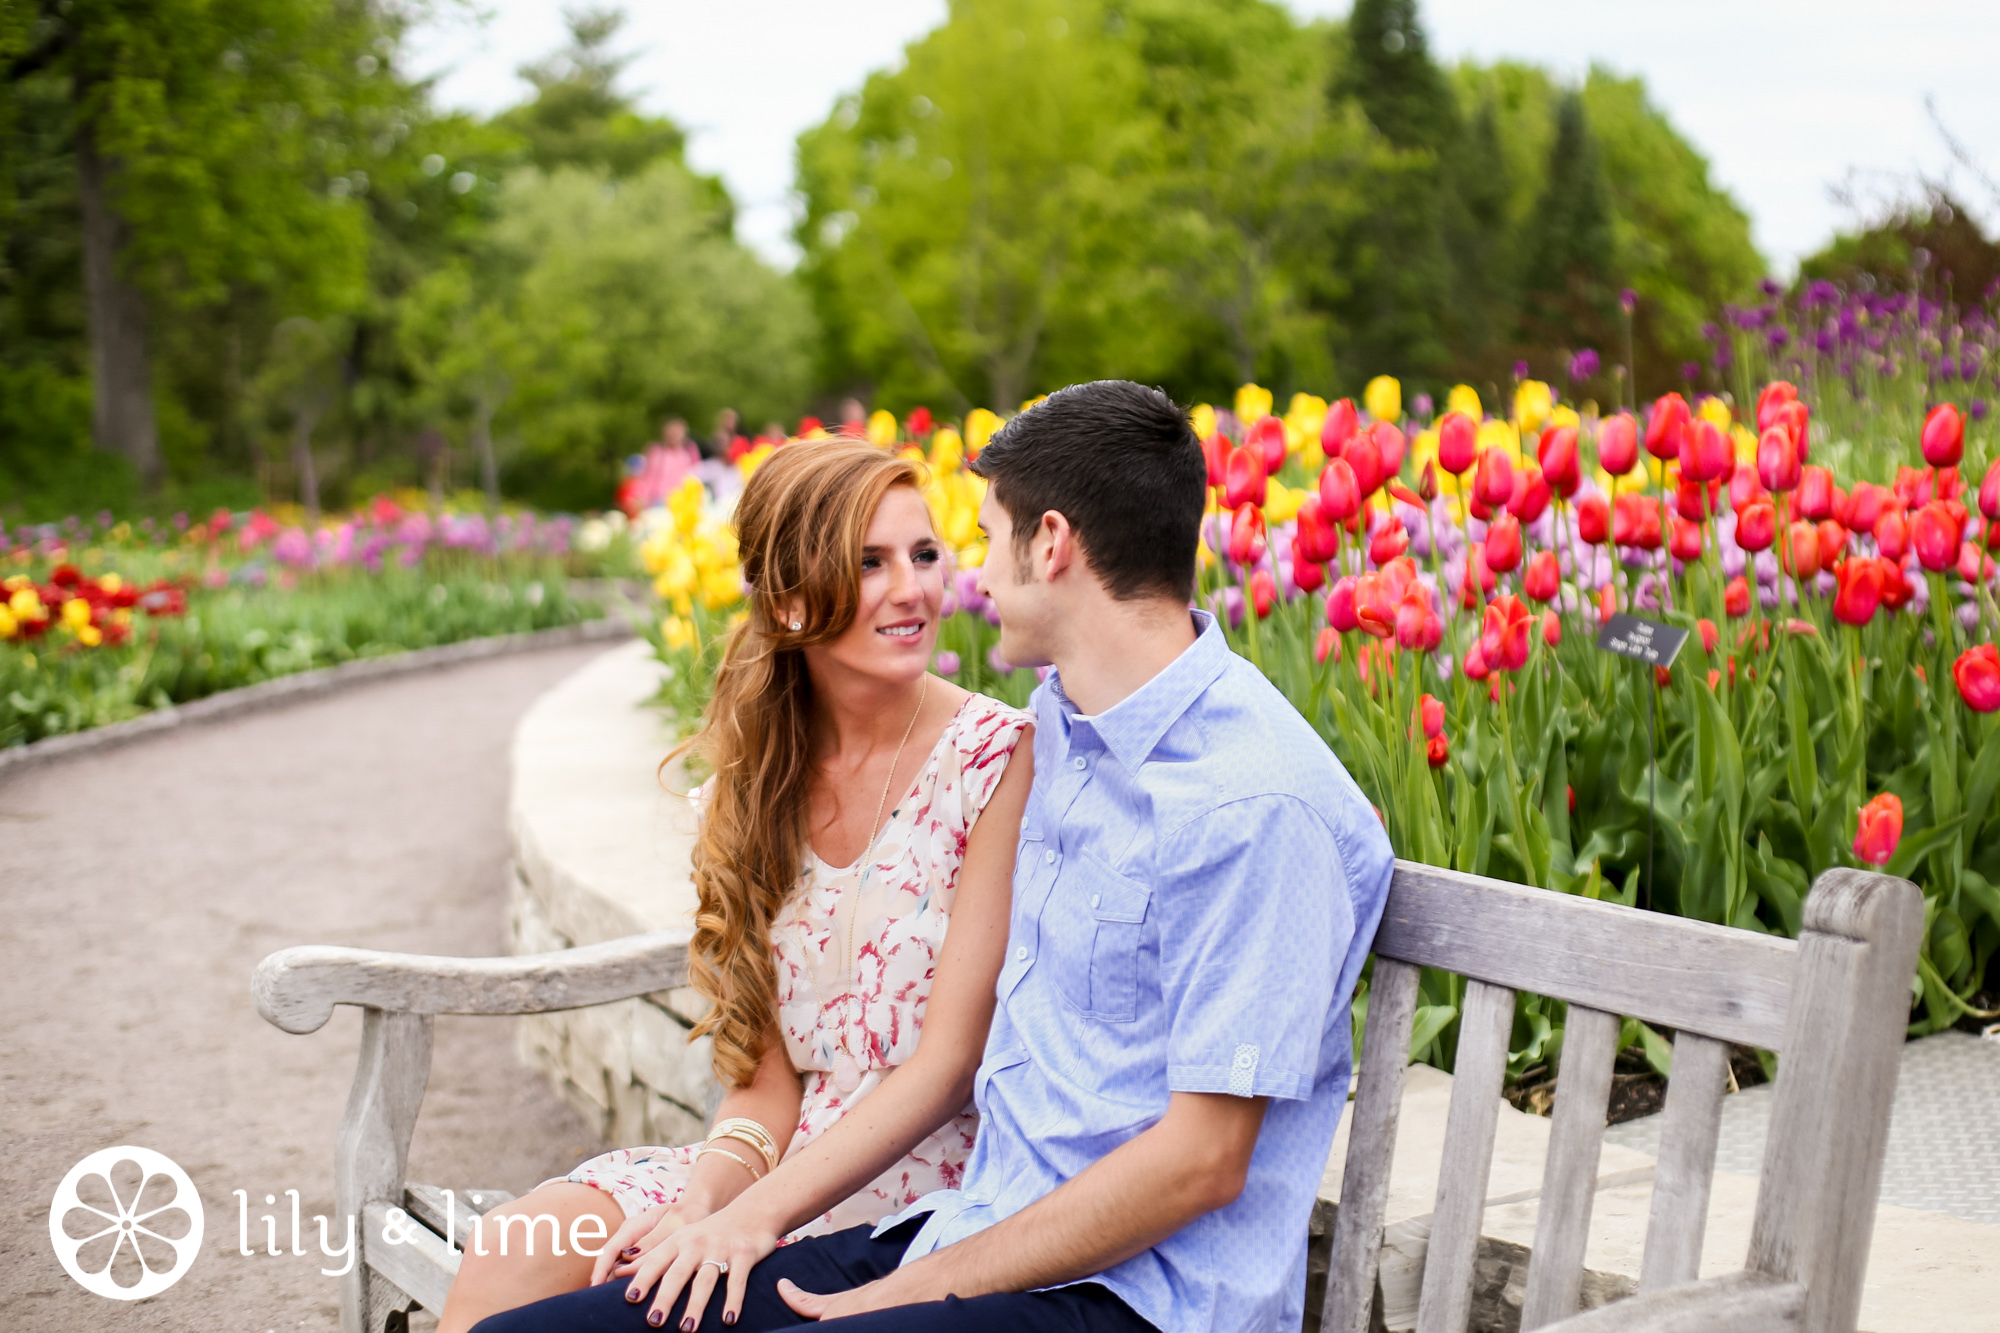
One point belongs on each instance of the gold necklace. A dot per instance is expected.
(847, 1077)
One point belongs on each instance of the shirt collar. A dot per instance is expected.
(1133, 726)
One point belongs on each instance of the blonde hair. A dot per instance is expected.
(800, 526)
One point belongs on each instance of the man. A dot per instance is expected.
(1197, 884)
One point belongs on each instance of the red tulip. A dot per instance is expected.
(1560, 467)
(1691, 500)
(1543, 578)
(1880, 829)
(1503, 544)
(1973, 565)
(1756, 526)
(1390, 541)
(1815, 492)
(1892, 533)
(1778, 463)
(1618, 444)
(1745, 486)
(1339, 427)
(1552, 629)
(1949, 484)
(1802, 547)
(1531, 493)
(1706, 452)
(1326, 644)
(1635, 521)
(1989, 492)
(1308, 575)
(1832, 542)
(1268, 436)
(1860, 591)
(1503, 638)
(1458, 442)
(1666, 431)
(1246, 535)
(1607, 602)
(1494, 482)
(1243, 478)
(1340, 613)
(1796, 417)
(1375, 600)
(1977, 675)
(1896, 586)
(1593, 519)
(1263, 591)
(1772, 401)
(1943, 440)
(1314, 538)
(1430, 710)
(1736, 597)
(1685, 542)
(1913, 487)
(1709, 634)
(1418, 625)
(1476, 667)
(1934, 533)
(1438, 751)
(1867, 505)
(1339, 492)
(1389, 442)
(1479, 574)
(1365, 457)
(1215, 449)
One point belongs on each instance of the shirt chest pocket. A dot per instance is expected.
(1100, 923)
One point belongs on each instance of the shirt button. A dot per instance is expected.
(1049, 857)
(1021, 954)
(1094, 897)
(1081, 763)
(1245, 1060)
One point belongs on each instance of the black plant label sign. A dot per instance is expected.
(1641, 640)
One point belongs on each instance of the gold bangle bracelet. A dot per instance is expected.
(755, 1174)
(750, 1133)
(762, 1152)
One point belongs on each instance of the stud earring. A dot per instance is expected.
(797, 626)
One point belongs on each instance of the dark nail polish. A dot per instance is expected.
(729, 1316)
(629, 1251)
(656, 1318)
(687, 1324)
(633, 1294)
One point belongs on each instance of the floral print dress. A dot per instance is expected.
(845, 1030)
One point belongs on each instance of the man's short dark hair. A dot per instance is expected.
(1122, 464)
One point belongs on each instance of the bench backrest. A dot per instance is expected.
(1834, 1004)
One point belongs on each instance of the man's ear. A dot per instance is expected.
(1056, 544)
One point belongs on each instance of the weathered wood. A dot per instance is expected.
(1485, 1024)
(1569, 1180)
(1738, 1303)
(1686, 975)
(1822, 1173)
(427, 1203)
(372, 1149)
(296, 989)
(1371, 1147)
(1686, 1164)
(423, 1265)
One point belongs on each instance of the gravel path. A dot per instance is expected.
(138, 888)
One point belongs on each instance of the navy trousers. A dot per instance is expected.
(825, 1264)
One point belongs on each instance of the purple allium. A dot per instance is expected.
(1769, 287)
(1584, 364)
(946, 663)
(1520, 370)
(1421, 405)
(1690, 370)
(1976, 409)
(1628, 300)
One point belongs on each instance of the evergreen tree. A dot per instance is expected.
(1568, 277)
(1389, 71)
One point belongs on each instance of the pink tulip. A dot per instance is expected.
(1943, 440)
(1430, 709)
(1815, 492)
(1552, 629)
(1493, 485)
(1756, 527)
(1618, 444)
(1246, 535)
(1458, 442)
(1243, 478)
(1268, 437)
(1989, 492)
(1531, 493)
(1745, 486)
(1263, 591)
(1977, 675)
(1557, 453)
(1313, 540)
(1736, 597)
(1706, 453)
(1375, 602)
(1667, 429)
(1342, 421)
(1365, 457)
(1390, 540)
(1778, 460)
(1503, 638)
(1419, 628)
(1339, 492)
(1772, 401)
(1691, 500)
(1389, 442)
(1340, 605)
(1860, 591)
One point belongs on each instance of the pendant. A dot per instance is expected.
(846, 1072)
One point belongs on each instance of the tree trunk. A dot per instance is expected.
(302, 465)
(121, 419)
(482, 446)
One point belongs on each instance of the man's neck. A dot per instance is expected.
(1119, 646)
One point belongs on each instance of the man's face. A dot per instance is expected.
(1017, 588)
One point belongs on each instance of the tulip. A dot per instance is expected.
(1339, 427)
(1552, 629)
(1246, 535)
(1243, 479)
(1949, 484)
(1427, 481)
(1326, 644)
(1593, 519)
(1543, 578)
(1736, 597)
(1879, 830)
(1892, 533)
(1340, 605)
(1314, 539)
(1867, 505)
(1778, 463)
(1772, 401)
(1494, 482)
(1531, 493)
(1384, 398)
(1691, 500)
(1430, 712)
(1479, 574)
(1709, 634)
(1635, 521)
(1215, 449)
(1418, 625)
(1667, 428)
(1745, 486)
(1860, 591)
(1815, 493)
(1756, 526)
(1977, 675)
(1365, 457)
(1896, 586)
(1618, 444)
(1503, 544)
(1607, 603)
(1914, 487)
(1389, 442)
(1268, 437)
(1308, 575)
(1832, 542)
(1557, 454)
(1796, 417)
(1934, 534)
(1706, 452)
(1263, 589)
(1390, 541)
(1375, 604)
(1458, 442)
(1802, 545)
(1685, 541)
(1438, 751)
(1989, 492)
(1339, 492)
(1503, 638)
(1943, 439)
(1475, 663)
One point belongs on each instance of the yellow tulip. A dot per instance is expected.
(15, 582)
(1501, 435)
(76, 613)
(26, 604)
(1563, 415)
(1714, 410)
(1281, 502)
(1464, 398)
(1312, 454)
(1038, 398)
(973, 556)
(1203, 420)
(750, 462)
(721, 586)
(1532, 401)
(89, 636)
(678, 576)
(1383, 398)
(816, 433)
(979, 427)
(1745, 441)
(111, 583)
(912, 453)
(677, 632)
(1252, 403)
(882, 428)
(8, 625)
(947, 450)
(685, 503)
(1307, 410)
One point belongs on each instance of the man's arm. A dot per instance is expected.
(1192, 1162)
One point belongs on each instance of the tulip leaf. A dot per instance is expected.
(1915, 846)
(1431, 1021)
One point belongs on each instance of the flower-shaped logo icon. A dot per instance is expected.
(126, 1223)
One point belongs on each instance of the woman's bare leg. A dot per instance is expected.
(514, 1272)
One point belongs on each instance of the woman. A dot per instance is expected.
(860, 806)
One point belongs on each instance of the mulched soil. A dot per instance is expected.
(1636, 1089)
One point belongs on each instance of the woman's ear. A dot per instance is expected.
(792, 614)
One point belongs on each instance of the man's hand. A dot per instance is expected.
(840, 1304)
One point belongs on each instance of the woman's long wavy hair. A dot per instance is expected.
(800, 525)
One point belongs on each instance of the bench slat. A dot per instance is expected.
(1371, 1146)
(428, 1205)
(1688, 1138)
(1569, 1181)
(1686, 975)
(424, 1266)
(1485, 1025)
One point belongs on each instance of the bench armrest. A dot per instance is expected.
(297, 988)
(1739, 1303)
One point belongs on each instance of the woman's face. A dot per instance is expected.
(902, 590)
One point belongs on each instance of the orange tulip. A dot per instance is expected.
(1879, 829)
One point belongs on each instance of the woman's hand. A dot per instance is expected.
(690, 1256)
(641, 1232)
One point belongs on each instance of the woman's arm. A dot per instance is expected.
(919, 1095)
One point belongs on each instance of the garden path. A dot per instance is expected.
(142, 885)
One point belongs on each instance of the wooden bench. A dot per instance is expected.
(1833, 1003)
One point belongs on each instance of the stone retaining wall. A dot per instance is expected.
(601, 849)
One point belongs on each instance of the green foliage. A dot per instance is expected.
(1932, 244)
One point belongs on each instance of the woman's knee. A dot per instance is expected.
(560, 1222)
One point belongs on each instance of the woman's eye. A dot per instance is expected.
(927, 557)
(871, 562)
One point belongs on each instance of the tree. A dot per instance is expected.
(1568, 282)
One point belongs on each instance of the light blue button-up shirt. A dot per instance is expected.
(1197, 884)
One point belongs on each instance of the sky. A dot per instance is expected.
(1790, 100)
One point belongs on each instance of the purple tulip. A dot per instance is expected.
(946, 663)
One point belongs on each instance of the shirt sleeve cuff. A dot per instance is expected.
(1263, 1082)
